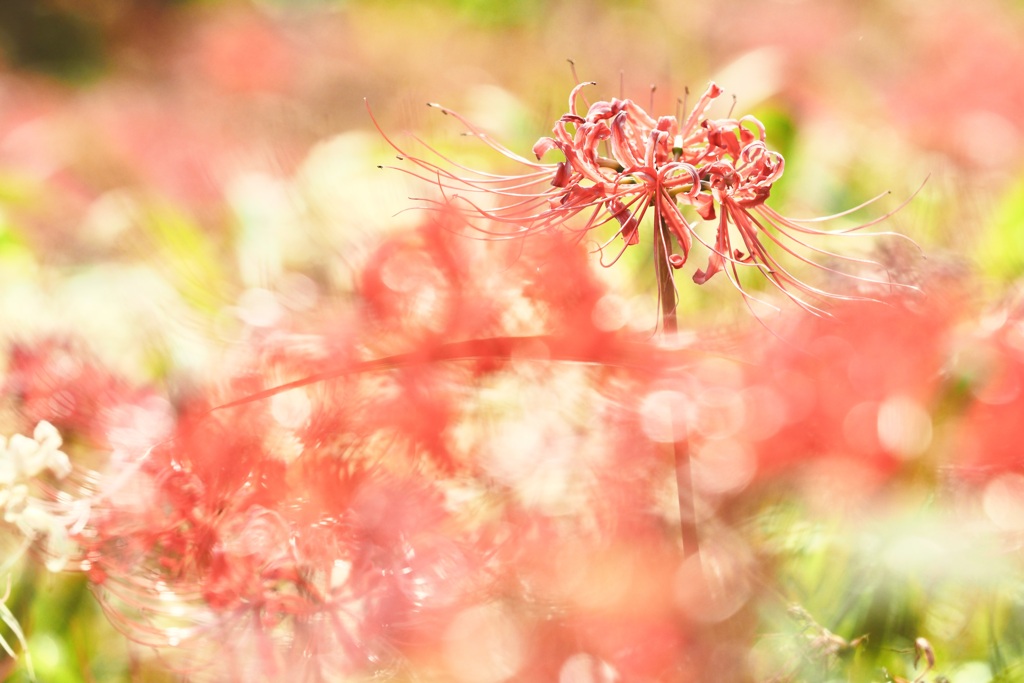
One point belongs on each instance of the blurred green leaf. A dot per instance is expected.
(189, 256)
(1000, 253)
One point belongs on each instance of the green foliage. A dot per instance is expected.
(193, 263)
(1000, 252)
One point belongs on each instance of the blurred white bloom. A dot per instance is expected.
(22, 460)
(22, 457)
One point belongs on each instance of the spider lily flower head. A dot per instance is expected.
(621, 164)
(296, 534)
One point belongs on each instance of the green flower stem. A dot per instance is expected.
(680, 446)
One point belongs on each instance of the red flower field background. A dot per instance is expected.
(677, 343)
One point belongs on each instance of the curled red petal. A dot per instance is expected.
(543, 146)
(705, 206)
(574, 92)
(562, 174)
(630, 225)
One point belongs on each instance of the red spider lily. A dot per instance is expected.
(425, 286)
(989, 434)
(431, 296)
(431, 286)
(241, 53)
(582, 572)
(982, 57)
(324, 557)
(858, 387)
(620, 162)
(59, 380)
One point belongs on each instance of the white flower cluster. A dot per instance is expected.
(22, 460)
